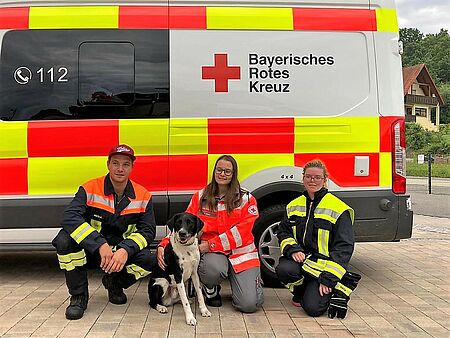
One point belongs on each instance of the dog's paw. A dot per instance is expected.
(205, 312)
(190, 320)
(161, 309)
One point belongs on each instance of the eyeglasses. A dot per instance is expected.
(227, 172)
(313, 178)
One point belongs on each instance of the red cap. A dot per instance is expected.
(122, 149)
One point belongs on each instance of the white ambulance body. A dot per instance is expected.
(273, 83)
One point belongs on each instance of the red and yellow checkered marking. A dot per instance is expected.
(55, 157)
(199, 17)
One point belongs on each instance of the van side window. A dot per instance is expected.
(84, 74)
(106, 73)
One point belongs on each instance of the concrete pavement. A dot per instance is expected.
(405, 291)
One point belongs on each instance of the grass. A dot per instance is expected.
(421, 170)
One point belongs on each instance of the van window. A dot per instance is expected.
(106, 73)
(84, 74)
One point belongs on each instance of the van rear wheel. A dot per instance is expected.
(265, 233)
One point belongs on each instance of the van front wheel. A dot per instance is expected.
(265, 233)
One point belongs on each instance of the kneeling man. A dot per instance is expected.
(109, 223)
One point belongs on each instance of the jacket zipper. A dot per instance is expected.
(306, 225)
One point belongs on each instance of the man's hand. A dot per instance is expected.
(298, 257)
(203, 247)
(160, 257)
(117, 262)
(324, 290)
(106, 255)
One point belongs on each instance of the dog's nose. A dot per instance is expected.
(182, 233)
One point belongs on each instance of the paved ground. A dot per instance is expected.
(405, 291)
(435, 204)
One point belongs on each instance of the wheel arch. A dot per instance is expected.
(277, 193)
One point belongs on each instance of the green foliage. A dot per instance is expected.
(417, 138)
(421, 140)
(434, 51)
(444, 89)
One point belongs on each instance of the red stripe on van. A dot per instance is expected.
(341, 168)
(72, 138)
(187, 172)
(151, 172)
(14, 18)
(17, 181)
(187, 17)
(251, 136)
(385, 132)
(334, 19)
(156, 17)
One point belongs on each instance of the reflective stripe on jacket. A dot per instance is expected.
(93, 219)
(322, 229)
(230, 234)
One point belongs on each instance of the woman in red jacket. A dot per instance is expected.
(227, 243)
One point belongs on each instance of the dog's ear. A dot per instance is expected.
(199, 225)
(171, 222)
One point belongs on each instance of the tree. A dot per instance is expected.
(417, 138)
(444, 89)
(410, 35)
(427, 142)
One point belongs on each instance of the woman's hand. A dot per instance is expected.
(203, 247)
(298, 257)
(324, 290)
(160, 257)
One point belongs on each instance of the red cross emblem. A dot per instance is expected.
(221, 73)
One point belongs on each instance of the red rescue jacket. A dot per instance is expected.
(230, 234)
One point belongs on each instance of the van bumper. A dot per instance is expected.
(380, 215)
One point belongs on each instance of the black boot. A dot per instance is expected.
(113, 284)
(78, 303)
(212, 296)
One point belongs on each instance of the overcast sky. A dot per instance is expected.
(429, 16)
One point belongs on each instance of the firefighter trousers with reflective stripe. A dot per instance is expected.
(307, 292)
(75, 261)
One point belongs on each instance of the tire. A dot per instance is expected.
(266, 241)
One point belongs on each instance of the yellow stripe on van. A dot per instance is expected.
(74, 17)
(249, 18)
(337, 135)
(13, 140)
(188, 136)
(386, 20)
(249, 164)
(148, 137)
(62, 175)
(385, 170)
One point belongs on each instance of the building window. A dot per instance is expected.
(421, 112)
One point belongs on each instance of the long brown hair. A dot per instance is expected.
(233, 197)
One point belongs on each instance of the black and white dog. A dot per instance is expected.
(182, 256)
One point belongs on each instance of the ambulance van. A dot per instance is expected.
(273, 83)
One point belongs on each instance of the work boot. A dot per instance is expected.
(212, 296)
(115, 291)
(78, 303)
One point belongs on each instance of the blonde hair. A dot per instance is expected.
(316, 164)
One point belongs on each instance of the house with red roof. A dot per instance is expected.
(421, 96)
